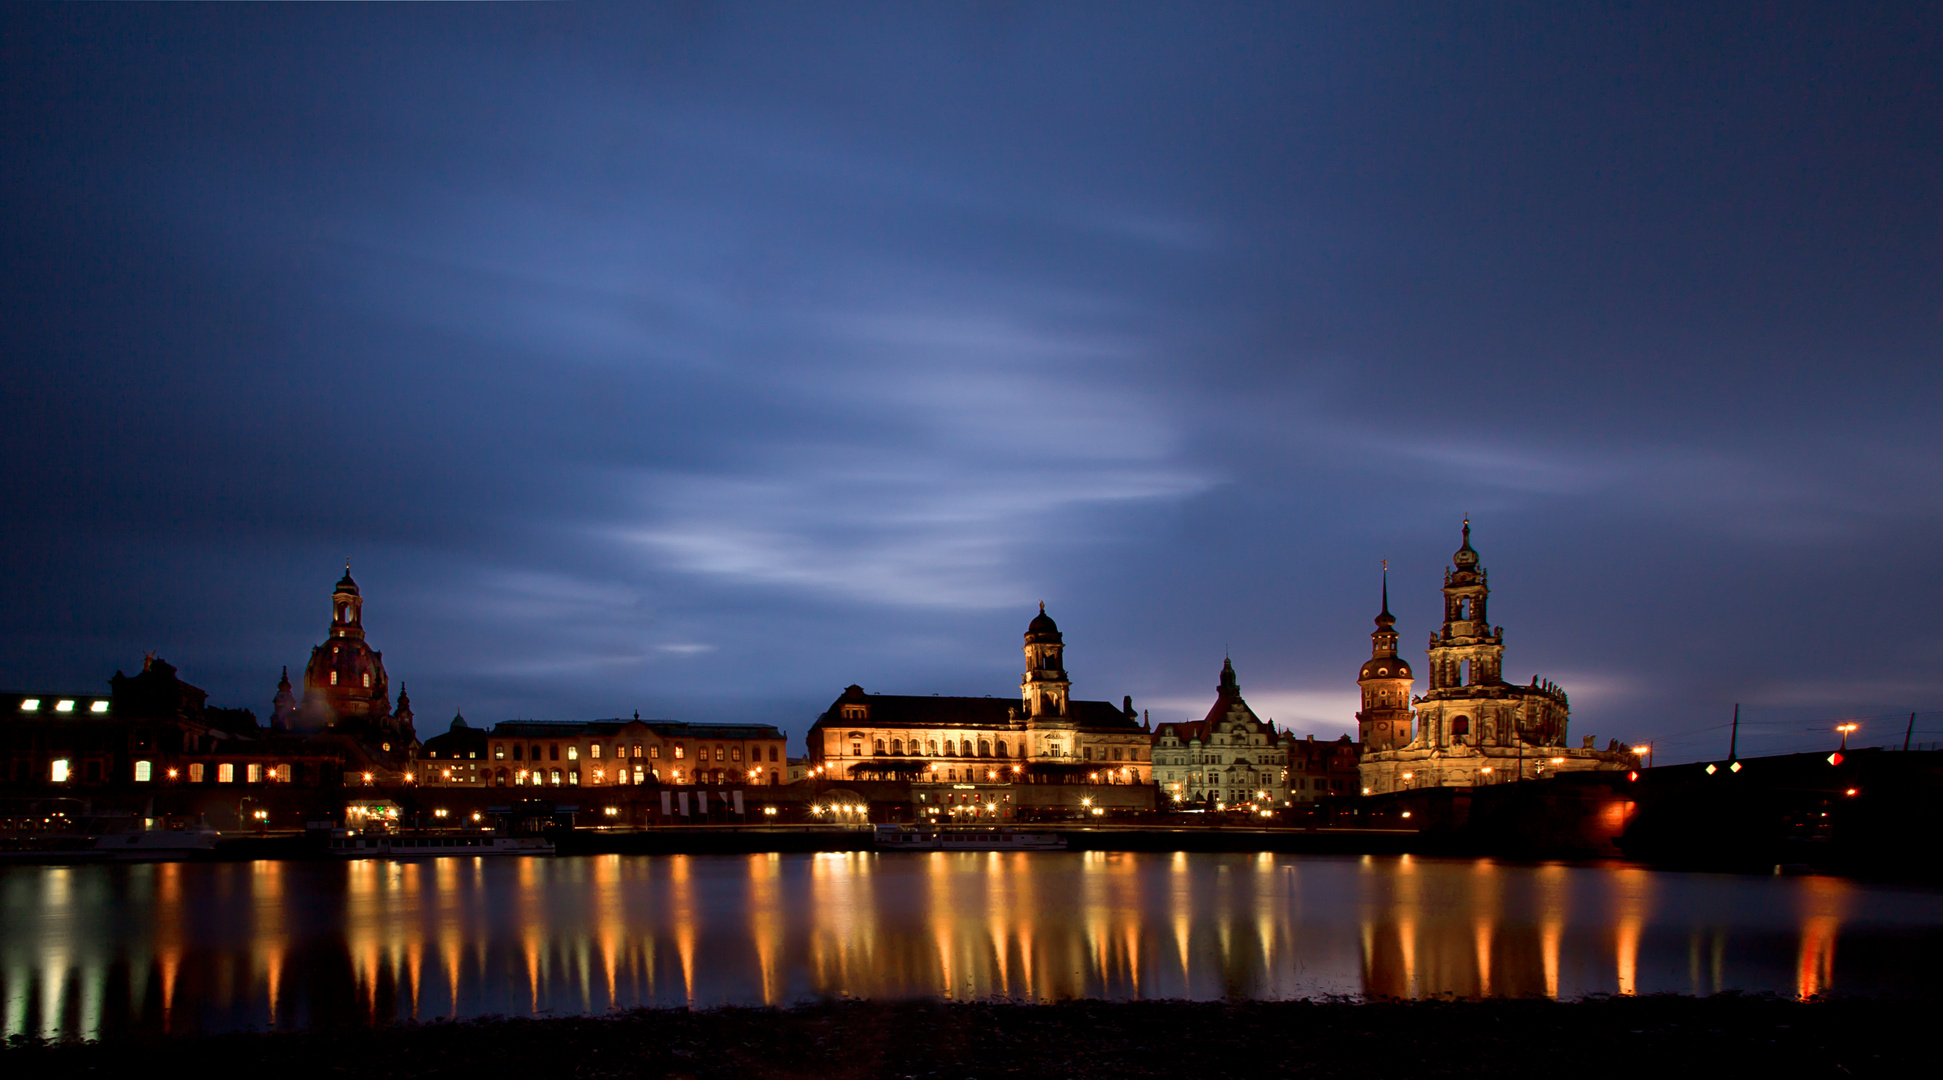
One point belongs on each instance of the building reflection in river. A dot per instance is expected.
(176, 947)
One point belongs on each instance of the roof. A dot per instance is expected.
(911, 710)
(667, 729)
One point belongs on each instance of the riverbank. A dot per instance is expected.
(1621, 1037)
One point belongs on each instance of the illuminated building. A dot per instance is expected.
(151, 733)
(1043, 735)
(1470, 727)
(605, 753)
(1231, 757)
(345, 686)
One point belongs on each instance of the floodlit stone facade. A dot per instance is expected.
(1471, 728)
(1227, 759)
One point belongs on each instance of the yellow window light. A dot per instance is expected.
(98, 707)
(64, 705)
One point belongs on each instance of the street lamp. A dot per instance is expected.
(1845, 729)
(1646, 752)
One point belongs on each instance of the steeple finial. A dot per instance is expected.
(1042, 607)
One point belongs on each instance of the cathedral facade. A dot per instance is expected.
(1470, 727)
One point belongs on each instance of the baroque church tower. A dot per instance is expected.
(1468, 654)
(1384, 722)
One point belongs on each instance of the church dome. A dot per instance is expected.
(1384, 667)
(1041, 628)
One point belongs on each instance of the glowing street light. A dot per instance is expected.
(1845, 729)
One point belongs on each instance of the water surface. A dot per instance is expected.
(93, 950)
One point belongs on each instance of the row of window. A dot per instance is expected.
(639, 775)
(62, 705)
(523, 752)
(61, 770)
(983, 748)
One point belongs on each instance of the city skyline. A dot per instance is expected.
(706, 364)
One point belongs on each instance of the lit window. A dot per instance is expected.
(573, 776)
(98, 707)
(255, 773)
(333, 678)
(594, 751)
(31, 704)
(556, 776)
(367, 680)
(573, 753)
(679, 750)
(195, 773)
(141, 772)
(225, 773)
(498, 752)
(735, 754)
(64, 705)
(58, 771)
(653, 751)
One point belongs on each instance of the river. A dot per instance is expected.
(88, 951)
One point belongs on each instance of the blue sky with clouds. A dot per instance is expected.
(703, 359)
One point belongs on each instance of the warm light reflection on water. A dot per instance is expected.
(90, 950)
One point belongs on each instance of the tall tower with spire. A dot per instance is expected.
(1385, 680)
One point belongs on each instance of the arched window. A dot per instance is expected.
(965, 748)
(933, 744)
(897, 746)
(951, 748)
(1001, 748)
(1460, 726)
(880, 746)
(984, 748)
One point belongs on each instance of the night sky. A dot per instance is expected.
(705, 359)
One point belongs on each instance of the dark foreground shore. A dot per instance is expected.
(1635, 1037)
